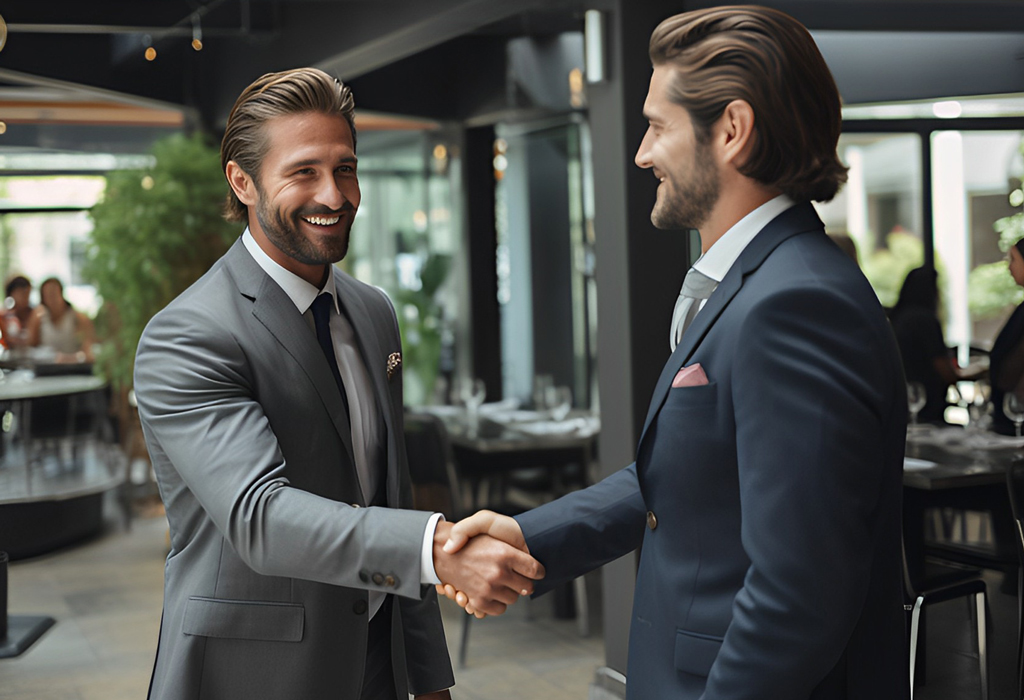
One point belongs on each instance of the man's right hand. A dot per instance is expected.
(488, 523)
(491, 574)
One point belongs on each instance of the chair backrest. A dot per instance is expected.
(435, 484)
(1015, 490)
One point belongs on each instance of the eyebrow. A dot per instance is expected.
(318, 161)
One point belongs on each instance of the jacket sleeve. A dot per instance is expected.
(816, 406)
(585, 529)
(204, 426)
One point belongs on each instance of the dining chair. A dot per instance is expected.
(1015, 490)
(436, 487)
(936, 583)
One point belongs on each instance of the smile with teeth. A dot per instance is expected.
(322, 220)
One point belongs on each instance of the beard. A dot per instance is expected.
(688, 204)
(285, 235)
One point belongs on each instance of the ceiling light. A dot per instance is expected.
(147, 41)
(949, 109)
(197, 33)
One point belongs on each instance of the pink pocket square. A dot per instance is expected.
(690, 376)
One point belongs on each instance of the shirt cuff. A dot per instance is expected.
(427, 573)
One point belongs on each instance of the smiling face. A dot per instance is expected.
(1016, 266)
(684, 165)
(307, 193)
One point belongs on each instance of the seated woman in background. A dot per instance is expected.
(17, 312)
(55, 324)
(1006, 359)
(926, 359)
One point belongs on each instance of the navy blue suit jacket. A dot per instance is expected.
(774, 569)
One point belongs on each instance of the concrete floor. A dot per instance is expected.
(106, 597)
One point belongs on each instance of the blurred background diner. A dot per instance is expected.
(503, 215)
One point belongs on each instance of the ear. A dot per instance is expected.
(735, 133)
(241, 184)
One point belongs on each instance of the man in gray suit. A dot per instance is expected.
(270, 394)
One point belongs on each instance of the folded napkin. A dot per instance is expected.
(912, 464)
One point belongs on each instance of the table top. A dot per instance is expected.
(18, 387)
(516, 431)
(979, 460)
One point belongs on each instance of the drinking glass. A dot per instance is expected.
(916, 399)
(1013, 407)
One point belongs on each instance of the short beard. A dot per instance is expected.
(695, 198)
(286, 237)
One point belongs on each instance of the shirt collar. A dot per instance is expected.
(726, 250)
(301, 292)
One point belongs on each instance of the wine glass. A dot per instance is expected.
(1013, 407)
(916, 399)
(470, 393)
(559, 401)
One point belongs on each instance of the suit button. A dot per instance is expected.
(378, 578)
(390, 581)
(359, 607)
(364, 576)
(652, 520)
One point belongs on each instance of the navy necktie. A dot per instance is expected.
(322, 320)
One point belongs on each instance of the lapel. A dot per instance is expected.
(368, 338)
(272, 308)
(797, 219)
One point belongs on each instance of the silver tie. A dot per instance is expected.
(696, 288)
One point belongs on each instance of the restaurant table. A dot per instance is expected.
(18, 391)
(966, 473)
(499, 442)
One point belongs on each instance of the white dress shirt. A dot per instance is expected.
(364, 418)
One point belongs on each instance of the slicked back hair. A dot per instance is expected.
(276, 95)
(768, 59)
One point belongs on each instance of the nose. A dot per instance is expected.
(643, 153)
(330, 194)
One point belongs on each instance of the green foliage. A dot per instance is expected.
(886, 268)
(149, 245)
(419, 317)
(990, 289)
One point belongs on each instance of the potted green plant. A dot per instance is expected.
(154, 233)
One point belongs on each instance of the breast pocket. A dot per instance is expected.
(700, 395)
(695, 652)
(244, 619)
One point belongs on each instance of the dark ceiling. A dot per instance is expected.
(446, 59)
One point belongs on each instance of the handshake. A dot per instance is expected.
(484, 563)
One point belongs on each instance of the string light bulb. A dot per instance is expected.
(197, 33)
(150, 53)
(3, 33)
(3, 127)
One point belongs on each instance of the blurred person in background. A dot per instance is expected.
(17, 312)
(1006, 359)
(926, 358)
(57, 325)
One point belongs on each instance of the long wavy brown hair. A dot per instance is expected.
(768, 59)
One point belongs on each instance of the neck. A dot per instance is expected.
(736, 200)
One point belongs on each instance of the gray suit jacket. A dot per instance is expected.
(271, 554)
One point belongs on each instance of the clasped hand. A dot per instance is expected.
(484, 563)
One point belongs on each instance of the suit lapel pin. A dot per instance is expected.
(394, 362)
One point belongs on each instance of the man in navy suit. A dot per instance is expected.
(766, 490)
